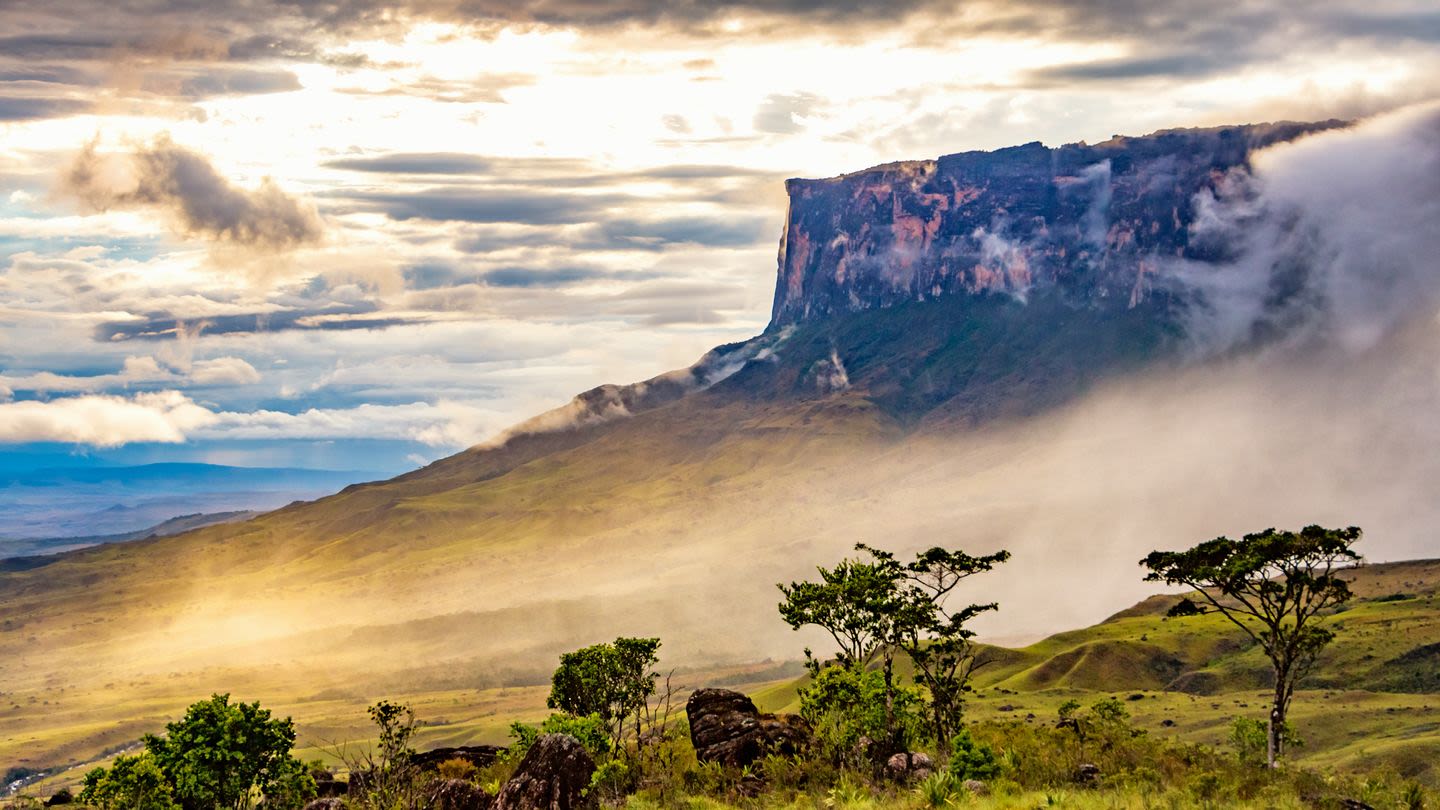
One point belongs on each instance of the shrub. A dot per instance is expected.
(457, 769)
(847, 705)
(131, 783)
(972, 760)
(590, 730)
(219, 753)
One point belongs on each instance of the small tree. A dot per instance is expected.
(611, 681)
(219, 754)
(1272, 585)
(877, 607)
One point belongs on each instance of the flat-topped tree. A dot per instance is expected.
(1273, 585)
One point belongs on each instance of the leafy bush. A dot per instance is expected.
(590, 730)
(456, 769)
(846, 706)
(1249, 738)
(219, 755)
(131, 783)
(972, 760)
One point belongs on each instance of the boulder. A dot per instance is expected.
(1087, 774)
(976, 787)
(553, 776)
(457, 794)
(725, 727)
(326, 804)
(907, 766)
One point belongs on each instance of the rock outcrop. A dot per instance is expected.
(906, 767)
(552, 776)
(725, 727)
(1093, 219)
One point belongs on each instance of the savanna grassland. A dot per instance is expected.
(1368, 715)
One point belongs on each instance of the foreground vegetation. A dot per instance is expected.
(1065, 746)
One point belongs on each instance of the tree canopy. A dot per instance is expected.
(1272, 585)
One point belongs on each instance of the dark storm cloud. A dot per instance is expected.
(30, 109)
(163, 326)
(1171, 65)
(487, 205)
(435, 276)
(416, 163)
(236, 83)
(631, 234)
(541, 277)
(187, 189)
(44, 74)
(540, 171)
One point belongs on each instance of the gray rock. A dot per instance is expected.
(553, 776)
(725, 727)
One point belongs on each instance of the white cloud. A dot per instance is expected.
(103, 421)
(224, 371)
(172, 417)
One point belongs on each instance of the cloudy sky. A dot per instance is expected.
(349, 233)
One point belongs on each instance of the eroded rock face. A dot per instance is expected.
(725, 727)
(1093, 219)
(553, 776)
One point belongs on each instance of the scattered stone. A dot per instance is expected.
(553, 776)
(457, 794)
(907, 766)
(1087, 774)
(326, 804)
(976, 787)
(725, 727)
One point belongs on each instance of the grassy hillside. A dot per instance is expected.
(1371, 701)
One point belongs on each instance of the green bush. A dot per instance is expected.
(219, 753)
(972, 760)
(590, 730)
(131, 783)
(847, 706)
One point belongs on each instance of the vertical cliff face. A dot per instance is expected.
(1091, 221)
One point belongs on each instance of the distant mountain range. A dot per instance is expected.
(18, 555)
(56, 503)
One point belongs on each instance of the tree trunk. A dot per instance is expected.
(1275, 738)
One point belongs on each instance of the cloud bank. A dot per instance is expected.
(1331, 239)
(172, 417)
